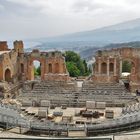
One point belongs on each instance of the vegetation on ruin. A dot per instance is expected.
(37, 71)
(75, 65)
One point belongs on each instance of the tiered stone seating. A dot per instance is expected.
(112, 93)
(54, 87)
(59, 93)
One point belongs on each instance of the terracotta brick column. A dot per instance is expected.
(99, 66)
(115, 66)
(120, 67)
(107, 66)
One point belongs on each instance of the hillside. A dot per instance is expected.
(122, 32)
(87, 42)
(88, 53)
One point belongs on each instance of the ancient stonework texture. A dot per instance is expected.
(15, 64)
(108, 66)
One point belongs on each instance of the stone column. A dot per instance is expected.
(107, 66)
(99, 65)
(115, 66)
(53, 68)
(120, 67)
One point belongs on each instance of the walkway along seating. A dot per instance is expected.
(128, 122)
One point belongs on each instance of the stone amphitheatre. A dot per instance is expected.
(56, 105)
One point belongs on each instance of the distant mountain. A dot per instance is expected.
(89, 53)
(84, 41)
(122, 32)
(134, 44)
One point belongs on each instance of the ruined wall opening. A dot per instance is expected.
(50, 68)
(128, 68)
(22, 67)
(8, 75)
(103, 68)
(111, 67)
(37, 69)
(56, 68)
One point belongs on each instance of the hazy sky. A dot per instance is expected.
(20, 19)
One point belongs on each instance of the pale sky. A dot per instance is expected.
(23, 19)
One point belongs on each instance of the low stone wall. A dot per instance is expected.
(57, 77)
(104, 79)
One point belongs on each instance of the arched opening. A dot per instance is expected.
(126, 66)
(37, 69)
(56, 68)
(8, 75)
(22, 68)
(50, 68)
(111, 67)
(104, 68)
(127, 69)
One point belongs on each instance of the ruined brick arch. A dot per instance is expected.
(103, 68)
(33, 76)
(56, 67)
(7, 75)
(133, 65)
(133, 68)
(50, 68)
(31, 67)
(22, 67)
(113, 72)
(111, 67)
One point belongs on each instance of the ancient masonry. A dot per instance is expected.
(33, 111)
(15, 64)
(108, 66)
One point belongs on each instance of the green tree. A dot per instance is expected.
(73, 70)
(81, 67)
(37, 71)
(75, 65)
(126, 66)
(71, 56)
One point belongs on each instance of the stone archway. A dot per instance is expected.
(36, 69)
(35, 55)
(111, 67)
(32, 69)
(7, 75)
(103, 68)
(56, 68)
(22, 67)
(112, 70)
(50, 68)
(127, 62)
